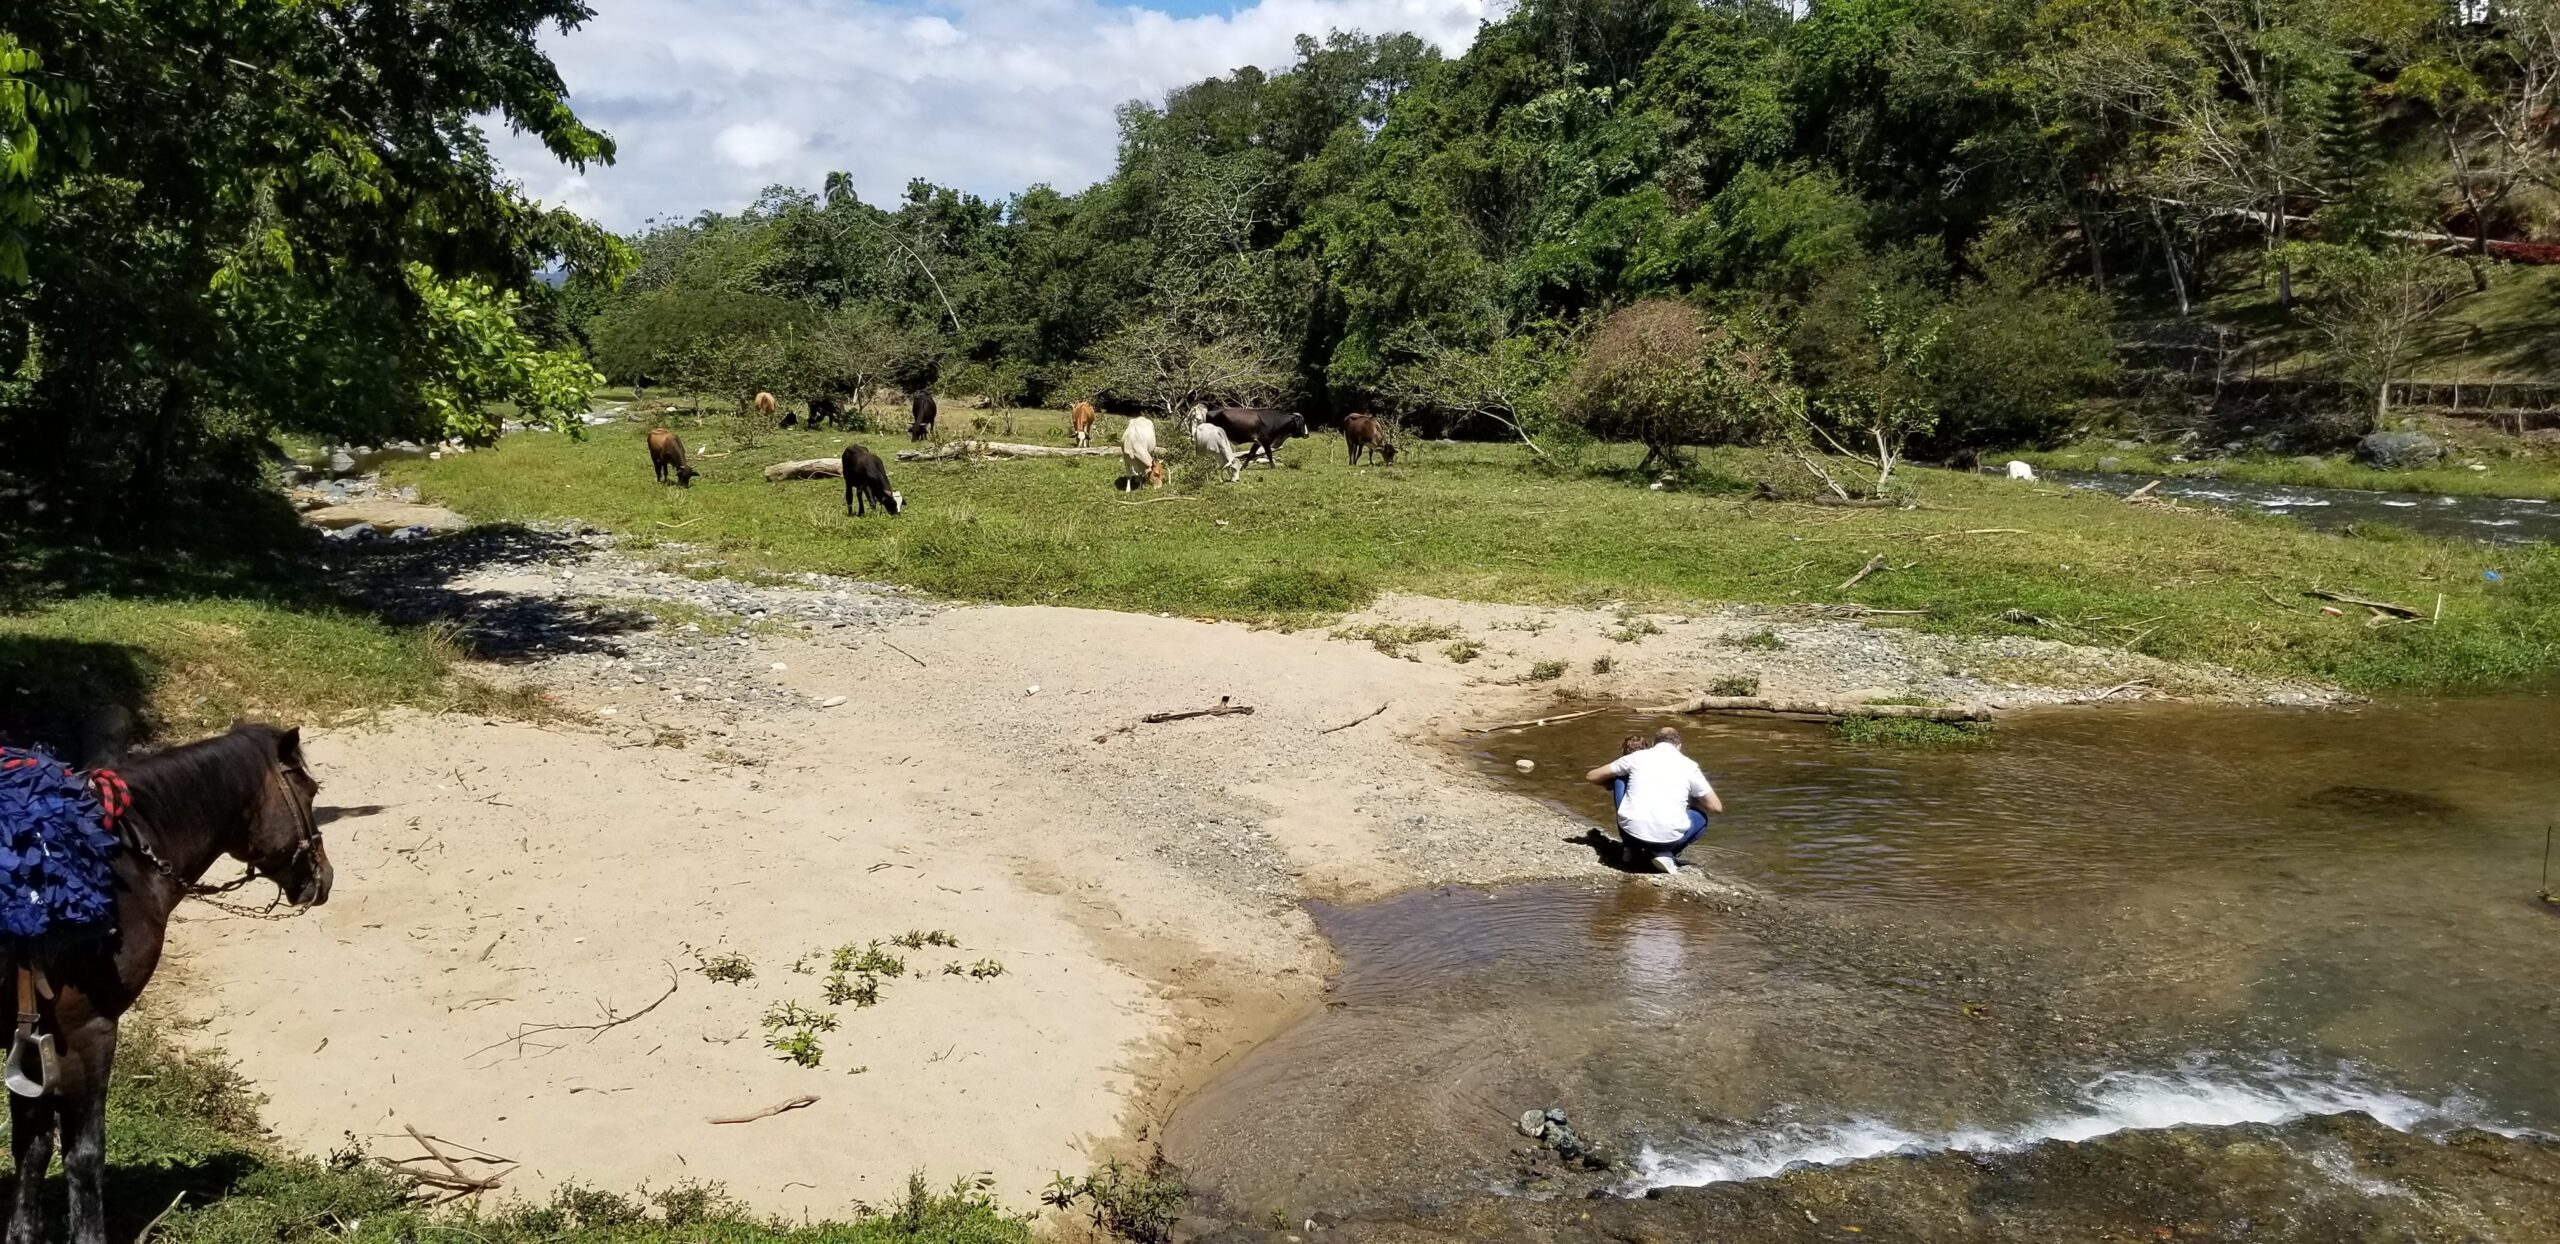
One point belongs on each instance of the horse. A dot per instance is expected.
(246, 794)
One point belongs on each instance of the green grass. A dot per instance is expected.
(2509, 474)
(1911, 733)
(1474, 522)
(186, 1123)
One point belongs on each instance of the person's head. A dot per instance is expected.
(1630, 745)
(1668, 734)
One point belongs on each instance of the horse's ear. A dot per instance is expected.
(289, 748)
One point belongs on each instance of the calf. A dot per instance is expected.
(1081, 416)
(1365, 432)
(666, 453)
(922, 410)
(1258, 429)
(1215, 443)
(866, 484)
(1138, 456)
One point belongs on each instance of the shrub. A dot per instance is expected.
(1663, 374)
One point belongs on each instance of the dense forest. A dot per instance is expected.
(1873, 226)
(1912, 220)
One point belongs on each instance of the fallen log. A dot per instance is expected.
(1000, 449)
(2143, 493)
(2380, 606)
(812, 468)
(1224, 709)
(1856, 503)
(1825, 710)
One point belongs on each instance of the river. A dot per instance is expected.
(2491, 520)
(2151, 925)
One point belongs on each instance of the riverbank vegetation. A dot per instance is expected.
(2500, 475)
(1488, 521)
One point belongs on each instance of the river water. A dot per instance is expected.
(2492, 520)
(2136, 922)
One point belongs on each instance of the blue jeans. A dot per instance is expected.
(1638, 846)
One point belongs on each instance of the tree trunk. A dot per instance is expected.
(2169, 251)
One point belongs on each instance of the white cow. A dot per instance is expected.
(1138, 456)
(2020, 470)
(1213, 441)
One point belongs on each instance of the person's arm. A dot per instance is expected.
(1702, 796)
(1605, 774)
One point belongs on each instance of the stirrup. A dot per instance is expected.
(33, 1067)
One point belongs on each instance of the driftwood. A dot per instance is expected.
(1825, 710)
(1348, 724)
(2379, 606)
(802, 1102)
(999, 449)
(1224, 709)
(1874, 564)
(809, 468)
(2143, 493)
(612, 1020)
(1541, 721)
(452, 1179)
(1857, 503)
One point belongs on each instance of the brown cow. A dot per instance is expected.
(765, 406)
(1369, 433)
(1081, 415)
(666, 452)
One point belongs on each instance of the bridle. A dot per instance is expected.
(306, 842)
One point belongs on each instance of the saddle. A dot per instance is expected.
(58, 845)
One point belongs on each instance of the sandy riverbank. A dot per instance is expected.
(1142, 888)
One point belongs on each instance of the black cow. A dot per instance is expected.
(1256, 429)
(822, 409)
(921, 409)
(866, 483)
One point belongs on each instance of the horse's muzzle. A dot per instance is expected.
(314, 889)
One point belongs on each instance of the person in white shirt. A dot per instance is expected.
(1663, 800)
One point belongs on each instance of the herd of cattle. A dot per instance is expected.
(1231, 436)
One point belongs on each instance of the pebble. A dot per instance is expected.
(831, 701)
(778, 667)
(1526, 766)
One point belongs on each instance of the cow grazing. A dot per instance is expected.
(1366, 432)
(666, 453)
(1138, 456)
(2020, 470)
(822, 409)
(1214, 443)
(1081, 416)
(922, 410)
(1258, 429)
(866, 484)
(765, 407)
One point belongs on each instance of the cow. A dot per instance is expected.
(866, 484)
(921, 410)
(822, 409)
(765, 406)
(1258, 429)
(2020, 470)
(666, 453)
(1081, 416)
(1215, 443)
(1366, 432)
(1138, 456)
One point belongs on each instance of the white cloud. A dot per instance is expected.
(710, 100)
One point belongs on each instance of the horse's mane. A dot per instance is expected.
(229, 770)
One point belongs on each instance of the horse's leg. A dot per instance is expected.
(84, 1135)
(31, 1148)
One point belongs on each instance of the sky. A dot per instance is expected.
(710, 101)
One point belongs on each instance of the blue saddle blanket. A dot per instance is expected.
(57, 850)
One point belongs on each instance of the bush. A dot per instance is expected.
(1663, 374)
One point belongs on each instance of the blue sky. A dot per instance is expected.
(712, 100)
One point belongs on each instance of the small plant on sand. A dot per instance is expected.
(1392, 638)
(791, 1030)
(727, 967)
(1912, 732)
(985, 969)
(1543, 671)
(1632, 627)
(1463, 651)
(870, 960)
(1735, 685)
(1602, 665)
(1135, 1203)
(918, 939)
(1762, 640)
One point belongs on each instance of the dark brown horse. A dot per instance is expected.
(246, 794)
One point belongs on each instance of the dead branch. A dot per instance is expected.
(908, 655)
(1862, 611)
(2143, 493)
(2111, 692)
(610, 1022)
(2378, 606)
(1824, 710)
(995, 449)
(154, 1224)
(801, 1102)
(1542, 721)
(1978, 531)
(807, 468)
(1348, 724)
(1857, 503)
(1874, 564)
(1224, 709)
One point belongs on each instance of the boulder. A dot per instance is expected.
(2399, 451)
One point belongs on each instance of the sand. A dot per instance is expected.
(1142, 886)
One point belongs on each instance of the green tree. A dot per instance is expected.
(1665, 375)
(2374, 306)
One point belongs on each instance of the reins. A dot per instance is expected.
(306, 840)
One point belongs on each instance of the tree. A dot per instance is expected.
(2373, 305)
(1663, 374)
(2496, 99)
(1153, 363)
(1877, 341)
(1505, 384)
(241, 218)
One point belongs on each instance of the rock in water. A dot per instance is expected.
(1526, 766)
(2399, 451)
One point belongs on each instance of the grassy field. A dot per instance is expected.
(1476, 522)
(182, 1124)
(2510, 475)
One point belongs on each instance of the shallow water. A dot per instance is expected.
(2491, 520)
(2140, 918)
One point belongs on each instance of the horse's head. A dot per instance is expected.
(284, 836)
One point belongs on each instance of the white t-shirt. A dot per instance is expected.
(1661, 781)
